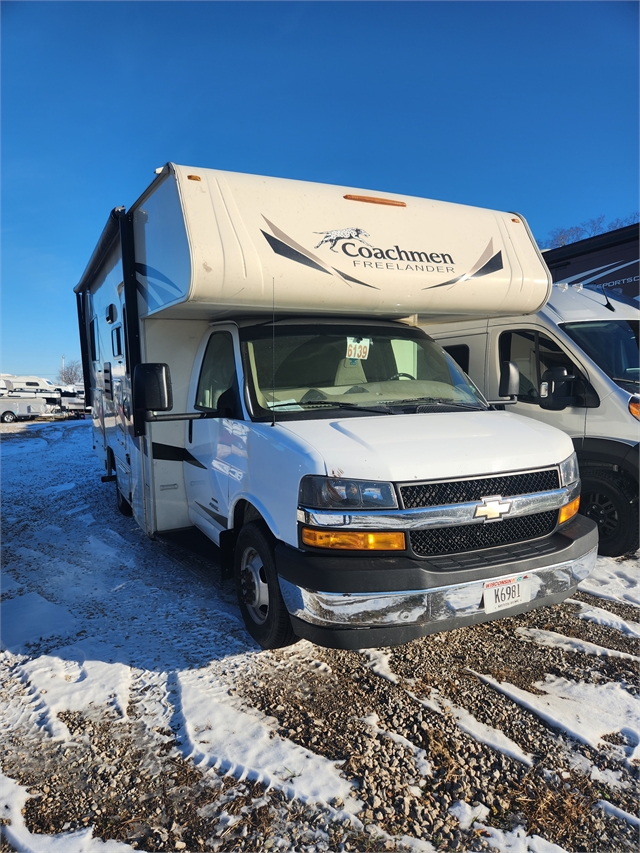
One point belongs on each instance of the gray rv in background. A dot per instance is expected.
(606, 262)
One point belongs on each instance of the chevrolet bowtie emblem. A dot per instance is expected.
(492, 508)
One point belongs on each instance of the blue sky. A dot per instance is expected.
(520, 106)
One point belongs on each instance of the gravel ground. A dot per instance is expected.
(400, 741)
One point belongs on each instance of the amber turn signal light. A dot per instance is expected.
(568, 511)
(352, 541)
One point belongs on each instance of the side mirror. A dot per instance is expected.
(555, 390)
(152, 387)
(509, 379)
(509, 385)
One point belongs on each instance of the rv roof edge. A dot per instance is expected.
(109, 235)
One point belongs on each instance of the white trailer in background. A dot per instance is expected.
(15, 408)
(251, 374)
(39, 397)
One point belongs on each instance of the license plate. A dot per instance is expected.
(506, 592)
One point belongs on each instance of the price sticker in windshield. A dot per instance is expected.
(358, 348)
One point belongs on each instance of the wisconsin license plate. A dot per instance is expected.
(506, 592)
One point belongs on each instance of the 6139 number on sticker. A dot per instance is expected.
(358, 348)
(506, 592)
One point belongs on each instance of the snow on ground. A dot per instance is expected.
(614, 581)
(584, 711)
(570, 644)
(94, 616)
(604, 617)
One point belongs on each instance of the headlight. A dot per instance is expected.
(634, 407)
(335, 493)
(569, 472)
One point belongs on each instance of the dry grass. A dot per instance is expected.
(561, 812)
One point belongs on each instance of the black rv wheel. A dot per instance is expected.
(123, 504)
(263, 610)
(8, 417)
(611, 501)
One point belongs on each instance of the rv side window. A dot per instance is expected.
(534, 353)
(218, 372)
(116, 341)
(93, 340)
(460, 354)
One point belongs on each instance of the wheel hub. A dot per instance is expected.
(253, 584)
(602, 510)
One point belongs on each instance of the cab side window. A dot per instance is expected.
(460, 354)
(218, 372)
(534, 353)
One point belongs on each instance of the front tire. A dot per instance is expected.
(261, 604)
(611, 501)
(8, 418)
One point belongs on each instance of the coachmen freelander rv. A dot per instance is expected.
(250, 375)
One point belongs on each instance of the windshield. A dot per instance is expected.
(613, 345)
(325, 367)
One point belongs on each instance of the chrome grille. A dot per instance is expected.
(470, 537)
(461, 491)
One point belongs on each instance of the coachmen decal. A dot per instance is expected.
(366, 256)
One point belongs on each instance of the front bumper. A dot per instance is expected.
(372, 601)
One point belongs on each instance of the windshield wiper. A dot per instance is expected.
(625, 379)
(380, 410)
(445, 401)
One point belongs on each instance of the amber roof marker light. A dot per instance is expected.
(370, 199)
(194, 178)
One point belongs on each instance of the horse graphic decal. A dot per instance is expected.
(332, 237)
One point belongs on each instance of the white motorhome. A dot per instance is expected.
(591, 338)
(250, 375)
(26, 384)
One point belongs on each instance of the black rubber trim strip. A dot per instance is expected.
(219, 519)
(171, 453)
(81, 305)
(131, 304)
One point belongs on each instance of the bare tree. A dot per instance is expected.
(620, 223)
(70, 374)
(588, 228)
